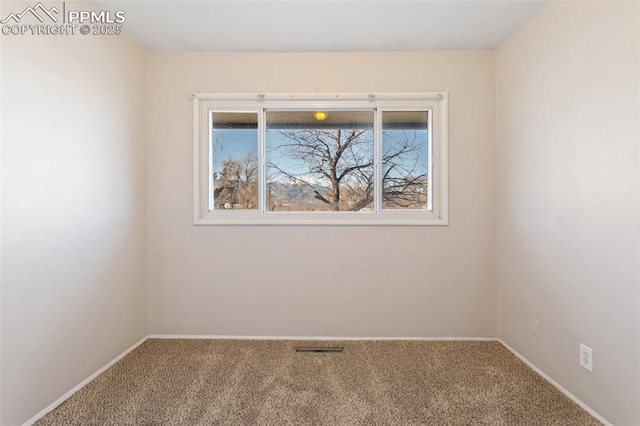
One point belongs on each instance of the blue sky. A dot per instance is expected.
(393, 137)
(234, 143)
(237, 143)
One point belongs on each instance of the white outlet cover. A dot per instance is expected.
(586, 357)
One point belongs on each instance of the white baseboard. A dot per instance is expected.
(229, 337)
(571, 396)
(67, 395)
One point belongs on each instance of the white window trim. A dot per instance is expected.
(204, 103)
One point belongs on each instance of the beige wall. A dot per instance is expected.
(322, 280)
(73, 212)
(74, 262)
(568, 237)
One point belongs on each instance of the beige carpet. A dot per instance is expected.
(239, 382)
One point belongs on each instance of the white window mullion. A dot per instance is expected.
(433, 164)
(262, 161)
(209, 165)
(377, 183)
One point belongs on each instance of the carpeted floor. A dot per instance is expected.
(240, 382)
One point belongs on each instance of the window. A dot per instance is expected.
(320, 165)
(320, 159)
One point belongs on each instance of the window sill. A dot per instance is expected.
(323, 219)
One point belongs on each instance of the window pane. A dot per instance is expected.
(319, 163)
(405, 160)
(234, 161)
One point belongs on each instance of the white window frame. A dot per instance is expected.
(206, 103)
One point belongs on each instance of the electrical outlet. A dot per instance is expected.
(535, 327)
(586, 357)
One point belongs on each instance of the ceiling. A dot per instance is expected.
(322, 26)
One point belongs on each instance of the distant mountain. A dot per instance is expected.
(294, 193)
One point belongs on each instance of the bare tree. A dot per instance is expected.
(404, 180)
(236, 185)
(342, 160)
